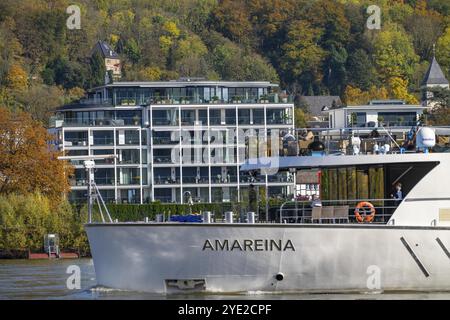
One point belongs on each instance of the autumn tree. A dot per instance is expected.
(440, 115)
(17, 78)
(302, 56)
(27, 161)
(361, 71)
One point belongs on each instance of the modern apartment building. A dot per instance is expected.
(173, 137)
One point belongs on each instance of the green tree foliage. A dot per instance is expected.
(26, 219)
(361, 71)
(98, 70)
(309, 46)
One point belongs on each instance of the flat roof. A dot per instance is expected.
(392, 107)
(185, 83)
(307, 162)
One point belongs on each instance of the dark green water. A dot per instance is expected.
(46, 279)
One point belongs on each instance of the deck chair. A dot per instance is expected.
(328, 213)
(316, 214)
(341, 213)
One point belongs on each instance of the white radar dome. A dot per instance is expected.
(425, 138)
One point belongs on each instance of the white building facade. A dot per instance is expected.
(173, 138)
(388, 113)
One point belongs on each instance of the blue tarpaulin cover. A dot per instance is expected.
(188, 218)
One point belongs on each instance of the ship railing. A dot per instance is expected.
(338, 141)
(301, 211)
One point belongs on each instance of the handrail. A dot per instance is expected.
(324, 203)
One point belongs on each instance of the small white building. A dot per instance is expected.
(388, 113)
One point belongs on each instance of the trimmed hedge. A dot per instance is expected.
(138, 212)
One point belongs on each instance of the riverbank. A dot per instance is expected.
(29, 255)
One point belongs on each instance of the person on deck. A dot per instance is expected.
(398, 193)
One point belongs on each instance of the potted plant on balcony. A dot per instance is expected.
(286, 118)
(136, 120)
(264, 98)
(353, 120)
(215, 99)
(400, 120)
(380, 121)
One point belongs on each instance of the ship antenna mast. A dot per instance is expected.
(93, 191)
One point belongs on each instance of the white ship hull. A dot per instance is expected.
(177, 256)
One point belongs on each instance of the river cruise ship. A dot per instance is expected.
(382, 223)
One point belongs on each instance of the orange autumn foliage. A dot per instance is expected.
(28, 163)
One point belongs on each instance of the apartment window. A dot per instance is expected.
(163, 195)
(104, 176)
(161, 156)
(230, 116)
(102, 138)
(165, 117)
(130, 137)
(203, 117)
(398, 118)
(129, 156)
(214, 117)
(109, 196)
(258, 116)
(103, 152)
(76, 138)
(129, 117)
(244, 116)
(187, 117)
(165, 137)
(129, 176)
(129, 196)
(276, 116)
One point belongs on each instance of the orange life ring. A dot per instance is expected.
(365, 217)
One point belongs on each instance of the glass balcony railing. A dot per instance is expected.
(104, 141)
(264, 99)
(104, 181)
(223, 180)
(215, 120)
(129, 181)
(164, 140)
(80, 182)
(249, 179)
(280, 178)
(164, 199)
(76, 122)
(195, 180)
(162, 180)
(81, 142)
(163, 160)
(157, 121)
(258, 120)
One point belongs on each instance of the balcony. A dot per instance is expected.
(280, 178)
(165, 180)
(76, 143)
(223, 180)
(103, 141)
(164, 160)
(195, 180)
(122, 122)
(250, 179)
(263, 99)
(162, 121)
(164, 141)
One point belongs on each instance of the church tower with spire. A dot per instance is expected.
(434, 78)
